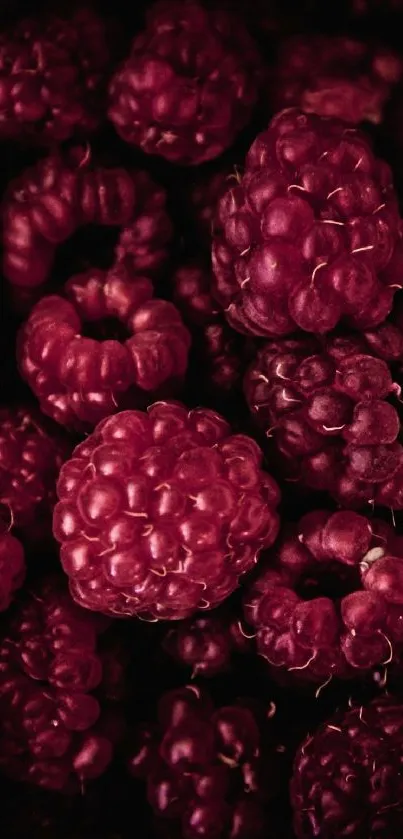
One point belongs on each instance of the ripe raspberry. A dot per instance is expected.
(329, 602)
(12, 567)
(51, 731)
(31, 454)
(209, 771)
(362, 795)
(189, 85)
(79, 380)
(53, 77)
(336, 77)
(162, 512)
(329, 407)
(207, 644)
(306, 237)
(51, 200)
(221, 355)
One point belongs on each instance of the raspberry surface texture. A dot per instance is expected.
(361, 796)
(53, 77)
(207, 644)
(31, 454)
(79, 380)
(12, 567)
(336, 77)
(64, 192)
(329, 600)
(209, 770)
(189, 85)
(52, 730)
(331, 409)
(307, 236)
(160, 513)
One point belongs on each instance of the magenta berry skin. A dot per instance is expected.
(80, 380)
(328, 600)
(160, 513)
(305, 237)
(189, 85)
(206, 644)
(335, 77)
(330, 408)
(12, 568)
(31, 454)
(206, 768)
(362, 796)
(53, 199)
(53, 76)
(53, 732)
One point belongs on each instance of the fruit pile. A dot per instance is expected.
(201, 420)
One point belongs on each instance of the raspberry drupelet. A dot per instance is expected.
(210, 771)
(306, 237)
(347, 778)
(12, 567)
(189, 85)
(328, 602)
(63, 192)
(53, 77)
(161, 512)
(53, 732)
(335, 76)
(207, 644)
(330, 408)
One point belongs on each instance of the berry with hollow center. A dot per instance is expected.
(12, 567)
(306, 238)
(53, 75)
(209, 770)
(328, 602)
(207, 644)
(62, 193)
(362, 795)
(161, 512)
(52, 729)
(336, 76)
(189, 85)
(79, 380)
(330, 408)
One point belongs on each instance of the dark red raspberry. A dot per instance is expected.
(58, 195)
(209, 771)
(347, 777)
(221, 354)
(207, 644)
(53, 75)
(330, 408)
(52, 732)
(162, 512)
(306, 237)
(80, 380)
(335, 76)
(12, 567)
(189, 85)
(329, 602)
(31, 454)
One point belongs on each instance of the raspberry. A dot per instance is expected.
(336, 77)
(31, 454)
(60, 194)
(52, 77)
(362, 795)
(201, 197)
(189, 85)
(329, 408)
(160, 513)
(207, 644)
(12, 568)
(306, 237)
(221, 355)
(80, 380)
(209, 771)
(329, 602)
(52, 731)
